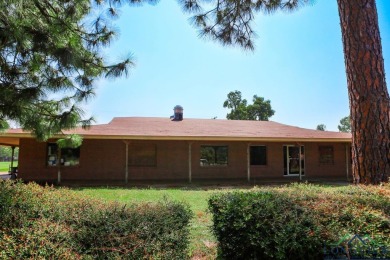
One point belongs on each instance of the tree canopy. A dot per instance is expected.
(237, 105)
(6, 152)
(50, 58)
(345, 124)
(321, 127)
(240, 110)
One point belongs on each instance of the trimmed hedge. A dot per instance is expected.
(302, 222)
(44, 222)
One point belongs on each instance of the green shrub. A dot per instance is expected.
(300, 221)
(262, 225)
(44, 222)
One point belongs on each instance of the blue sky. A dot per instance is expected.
(298, 64)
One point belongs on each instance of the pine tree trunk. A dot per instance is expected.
(368, 95)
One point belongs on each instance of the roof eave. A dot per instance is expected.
(220, 138)
(195, 138)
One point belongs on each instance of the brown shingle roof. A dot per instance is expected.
(202, 129)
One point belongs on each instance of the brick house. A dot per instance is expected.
(146, 149)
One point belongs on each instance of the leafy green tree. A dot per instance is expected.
(321, 127)
(345, 124)
(50, 58)
(230, 23)
(240, 110)
(6, 151)
(260, 109)
(237, 105)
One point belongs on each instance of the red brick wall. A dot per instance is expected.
(313, 169)
(236, 168)
(106, 160)
(32, 162)
(274, 167)
(172, 162)
(99, 159)
(336, 170)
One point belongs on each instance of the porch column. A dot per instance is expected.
(300, 162)
(12, 157)
(58, 164)
(248, 162)
(190, 162)
(127, 162)
(347, 160)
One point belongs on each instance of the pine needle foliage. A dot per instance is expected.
(50, 58)
(345, 124)
(230, 21)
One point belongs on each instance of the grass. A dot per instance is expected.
(203, 243)
(4, 166)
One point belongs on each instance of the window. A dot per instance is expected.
(213, 155)
(69, 156)
(142, 155)
(258, 155)
(326, 154)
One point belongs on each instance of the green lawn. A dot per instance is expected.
(202, 241)
(4, 166)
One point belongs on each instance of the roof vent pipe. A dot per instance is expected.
(178, 113)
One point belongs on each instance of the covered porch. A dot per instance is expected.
(12, 171)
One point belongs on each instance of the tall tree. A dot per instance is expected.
(240, 110)
(260, 109)
(49, 60)
(229, 22)
(345, 124)
(321, 127)
(237, 105)
(368, 95)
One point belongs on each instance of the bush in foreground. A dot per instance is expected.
(303, 222)
(43, 222)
